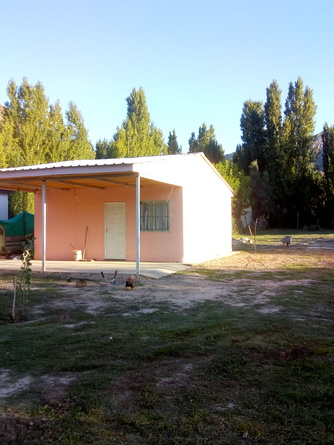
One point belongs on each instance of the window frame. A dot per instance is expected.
(155, 216)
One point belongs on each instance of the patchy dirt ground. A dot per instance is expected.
(185, 290)
(182, 291)
(252, 290)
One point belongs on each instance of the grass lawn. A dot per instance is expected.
(250, 362)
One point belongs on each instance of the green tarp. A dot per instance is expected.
(22, 224)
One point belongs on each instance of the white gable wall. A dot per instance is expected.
(207, 213)
(207, 216)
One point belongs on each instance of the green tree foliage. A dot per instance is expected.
(27, 113)
(278, 178)
(34, 132)
(104, 149)
(253, 133)
(242, 158)
(328, 165)
(206, 142)
(261, 196)
(277, 154)
(298, 129)
(57, 141)
(239, 182)
(6, 138)
(251, 155)
(79, 145)
(172, 144)
(137, 136)
(299, 125)
(273, 151)
(328, 152)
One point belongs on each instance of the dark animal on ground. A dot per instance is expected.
(129, 283)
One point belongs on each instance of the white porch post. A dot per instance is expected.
(138, 225)
(43, 225)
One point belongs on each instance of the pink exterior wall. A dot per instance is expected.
(164, 246)
(70, 212)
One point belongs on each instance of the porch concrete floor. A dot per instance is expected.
(151, 270)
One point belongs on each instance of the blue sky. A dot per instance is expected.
(197, 61)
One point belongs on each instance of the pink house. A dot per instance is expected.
(174, 208)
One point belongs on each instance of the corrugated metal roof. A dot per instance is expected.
(96, 173)
(93, 162)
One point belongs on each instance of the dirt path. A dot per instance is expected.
(185, 290)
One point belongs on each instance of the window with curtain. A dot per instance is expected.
(154, 216)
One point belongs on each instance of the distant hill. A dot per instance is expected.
(229, 156)
(319, 148)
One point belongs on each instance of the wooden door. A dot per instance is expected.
(115, 231)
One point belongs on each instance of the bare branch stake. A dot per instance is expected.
(14, 301)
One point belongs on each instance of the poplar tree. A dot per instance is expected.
(251, 155)
(277, 153)
(172, 144)
(253, 133)
(299, 126)
(34, 132)
(58, 134)
(79, 144)
(6, 139)
(328, 152)
(103, 149)
(328, 165)
(138, 136)
(193, 144)
(24, 134)
(297, 139)
(206, 142)
(273, 124)
(274, 153)
(27, 114)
